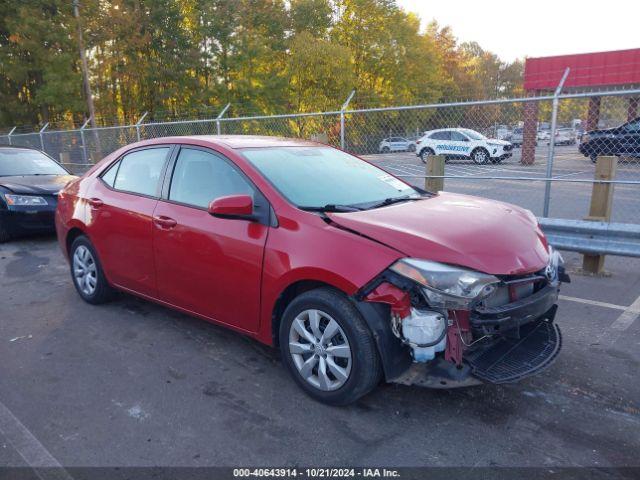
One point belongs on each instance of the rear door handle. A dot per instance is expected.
(95, 202)
(164, 222)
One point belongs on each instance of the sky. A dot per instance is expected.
(536, 28)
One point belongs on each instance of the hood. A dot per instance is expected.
(498, 142)
(485, 235)
(36, 184)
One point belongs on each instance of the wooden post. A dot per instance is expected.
(600, 209)
(434, 168)
(529, 133)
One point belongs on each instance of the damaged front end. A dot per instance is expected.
(458, 327)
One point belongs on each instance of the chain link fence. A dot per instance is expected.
(534, 151)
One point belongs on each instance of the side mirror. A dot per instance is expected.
(233, 206)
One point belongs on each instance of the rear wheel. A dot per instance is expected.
(86, 271)
(480, 156)
(328, 348)
(425, 153)
(385, 150)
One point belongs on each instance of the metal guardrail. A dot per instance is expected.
(593, 238)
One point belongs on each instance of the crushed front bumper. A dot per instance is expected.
(516, 340)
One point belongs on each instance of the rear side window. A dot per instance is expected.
(441, 136)
(138, 172)
(110, 176)
(200, 177)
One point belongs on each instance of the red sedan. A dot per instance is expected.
(356, 275)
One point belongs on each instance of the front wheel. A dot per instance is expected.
(328, 348)
(385, 150)
(86, 271)
(480, 156)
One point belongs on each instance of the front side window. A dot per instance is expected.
(139, 171)
(200, 177)
(314, 177)
(474, 135)
(22, 161)
(458, 137)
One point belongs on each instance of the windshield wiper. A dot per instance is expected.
(392, 200)
(331, 207)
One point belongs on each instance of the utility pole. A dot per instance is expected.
(85, 66)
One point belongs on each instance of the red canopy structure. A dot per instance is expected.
(588, 71)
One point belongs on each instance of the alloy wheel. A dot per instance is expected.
(320, 350)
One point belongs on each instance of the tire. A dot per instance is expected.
(425, 153)
(385, 150)
(359, 373)
(86, 255)
(480, 156)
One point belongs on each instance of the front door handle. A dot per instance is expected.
(95, 202)
(164, 222)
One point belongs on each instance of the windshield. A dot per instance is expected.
(473, 134)
(19, 161)
(315, 177)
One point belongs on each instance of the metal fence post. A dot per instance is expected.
(342, 126)
(552, 143)
(9, 135)
(138, 123)
(220, 115)
(46, 125)
(85, 155)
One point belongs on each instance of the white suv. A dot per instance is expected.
(462, 143)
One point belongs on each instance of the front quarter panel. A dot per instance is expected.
(305, 248)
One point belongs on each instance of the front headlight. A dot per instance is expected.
(24, 200)
(447, 286)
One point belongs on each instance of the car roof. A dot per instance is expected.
(19, 147)
(241, 141)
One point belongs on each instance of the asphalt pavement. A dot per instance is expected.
(131, 383)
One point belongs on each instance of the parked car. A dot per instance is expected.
(462, 143)
(397, 144)
(565, 136)
(260, 235)
(29, 184)
(544, 134)
(622, 141)
(517, 137)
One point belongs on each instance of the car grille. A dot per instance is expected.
(515, 288)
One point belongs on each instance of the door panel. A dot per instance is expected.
(120, 222)
(210, 266)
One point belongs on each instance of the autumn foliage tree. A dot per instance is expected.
(181, 58)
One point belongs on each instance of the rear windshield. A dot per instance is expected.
(319, 176)
(18, 161)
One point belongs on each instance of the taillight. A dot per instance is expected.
(418, 142)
